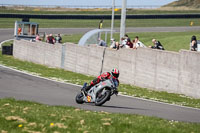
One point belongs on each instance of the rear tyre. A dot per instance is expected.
(79, 98)
(101, 99)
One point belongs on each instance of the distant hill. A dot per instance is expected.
(185, 3)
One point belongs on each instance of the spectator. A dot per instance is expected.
(19, 31)
(102, 43)
(123, 41)
(37, 38)
(127, 38)
(114, 44)
(129, 44)
(157, 45)
(47, 36)
(137, 43)
(58, 39)
(193, 43)
(51, 39)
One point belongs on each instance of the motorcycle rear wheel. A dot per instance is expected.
(103, 98)
(79, 98)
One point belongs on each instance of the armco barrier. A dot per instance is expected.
(175, 72)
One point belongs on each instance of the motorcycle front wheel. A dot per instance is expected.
(79, 98)
(101, 99)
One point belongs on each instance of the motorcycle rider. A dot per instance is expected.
(107, 75)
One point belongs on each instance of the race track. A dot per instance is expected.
(26, 87)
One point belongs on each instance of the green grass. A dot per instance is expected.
(24, 116)
(77, 78)
(172, 41)
(8, 43)
(84, 23)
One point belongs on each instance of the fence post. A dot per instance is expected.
(104, 51)
(63, 56)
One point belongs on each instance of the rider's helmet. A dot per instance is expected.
(115, 72)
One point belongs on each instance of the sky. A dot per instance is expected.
(86, 2)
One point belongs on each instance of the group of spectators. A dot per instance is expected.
(125, 42)
(134, 44)
(50, 38)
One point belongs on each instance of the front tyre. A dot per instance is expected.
(101, 99)
(79, 98)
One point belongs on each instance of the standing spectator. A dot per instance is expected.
(58, 39)
(157, 45)
(19, 30)
(137, 43)
(193, 43)
(102, 43)
(51, 39)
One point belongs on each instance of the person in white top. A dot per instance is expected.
(137, 43)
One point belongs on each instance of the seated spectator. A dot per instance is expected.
(193, 43)
(102, 43)
(37, 38)
(127, 38)
(123, 42)
(114, 44)
(129, 44)
(51, 39)
(58, 39)
(157, 45)
(137, 43)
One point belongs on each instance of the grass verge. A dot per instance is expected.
(172, 41)
(94, 23)
(77, 78)
(31, 117)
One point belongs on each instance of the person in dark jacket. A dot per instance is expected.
(157, 45)
(193, 43)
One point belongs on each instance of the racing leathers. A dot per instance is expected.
(106, 75)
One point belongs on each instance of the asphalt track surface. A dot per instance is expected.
(8, 33)
(22, 86)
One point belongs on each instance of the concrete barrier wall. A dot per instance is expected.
(38, 52)
(167, 70)
(159, 70)
(85, 60)
(189, 80)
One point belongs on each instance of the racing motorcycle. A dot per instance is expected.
(99, 93)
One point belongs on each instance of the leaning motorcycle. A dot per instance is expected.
(99, 93)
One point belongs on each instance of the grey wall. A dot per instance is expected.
(176, 72)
